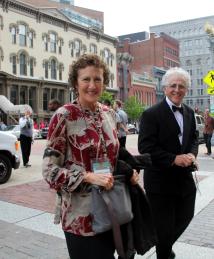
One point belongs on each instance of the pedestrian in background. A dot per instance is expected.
(168, 133)
(208, 131)
(53, 105)
(80, 134)
(26, 136)
(2, 125)
(107, 103)
(122, 120)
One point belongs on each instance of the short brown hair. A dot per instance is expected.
(83, 62)
(119, 103)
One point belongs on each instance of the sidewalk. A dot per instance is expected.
(26, 217)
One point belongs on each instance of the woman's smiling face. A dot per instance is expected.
(90, 85)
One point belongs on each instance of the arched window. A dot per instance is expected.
(53, 69)
(22, 35)
(23, 64)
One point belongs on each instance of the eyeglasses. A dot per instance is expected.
(180, 87)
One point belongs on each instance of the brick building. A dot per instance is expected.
(152, 55)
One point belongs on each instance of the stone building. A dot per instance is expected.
(196, 55)
(37, 45)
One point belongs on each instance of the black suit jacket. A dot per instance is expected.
(159, 136)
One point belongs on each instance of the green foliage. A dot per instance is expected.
(106, 96)
(133, 108)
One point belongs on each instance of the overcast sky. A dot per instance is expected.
(124, 17)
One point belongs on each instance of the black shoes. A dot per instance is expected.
(172, 255)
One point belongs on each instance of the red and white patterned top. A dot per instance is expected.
(73, 138)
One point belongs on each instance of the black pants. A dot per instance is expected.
(207, 139)
(93, 247)
(25, 147)
(122, 141)
(172, 214)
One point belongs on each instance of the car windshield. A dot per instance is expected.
(10, 127)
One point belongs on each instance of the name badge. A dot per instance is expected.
(101, 165)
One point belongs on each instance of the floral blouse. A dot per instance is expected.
(75, 136)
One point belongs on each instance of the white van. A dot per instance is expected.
(199, 120)
(9, 157)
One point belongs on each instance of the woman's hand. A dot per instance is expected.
(135, 177)
(102, 179)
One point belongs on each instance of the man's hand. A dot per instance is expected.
(184, 160)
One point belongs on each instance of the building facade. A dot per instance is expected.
(151, 56)
(36, 49)
(195, 54)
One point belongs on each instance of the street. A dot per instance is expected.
(27, 205)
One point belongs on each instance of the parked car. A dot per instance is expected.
(15, 130)
(44, 132)
(199, 120)
(132, 129)
(9, 158)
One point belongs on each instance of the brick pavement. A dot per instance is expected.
(36, 195)
(201, 230)
(20, 243)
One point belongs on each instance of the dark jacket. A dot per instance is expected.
(139, 235)
(159, 136)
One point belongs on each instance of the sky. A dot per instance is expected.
(129, 16)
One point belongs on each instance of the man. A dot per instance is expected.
(53, 105)
(122, 120)
(208, 131)
(2, 125)
(168, 133)
(26, 136)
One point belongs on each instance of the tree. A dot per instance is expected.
(106, 96)
(133, 108)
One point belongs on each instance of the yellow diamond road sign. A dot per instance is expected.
(209, 79)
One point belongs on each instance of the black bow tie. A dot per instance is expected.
(175, 108)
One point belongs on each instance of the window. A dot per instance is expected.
(53, 69)
(61, 96)
(53, 42)
(31, 39)
(23, 95)
(23, 64)
(93, 48)
(106, 56)
(54, 94)
(46, 69)
(31, 67)
(77, 47)
(22, 35)
(46, 43)
(14, 64)
(14, 94)
(60, 46)
(46, 94)
(13, 33)
(32, 97)
(61, 68)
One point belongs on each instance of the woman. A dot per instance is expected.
(80, 135)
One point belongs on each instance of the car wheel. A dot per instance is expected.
(5, 169)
